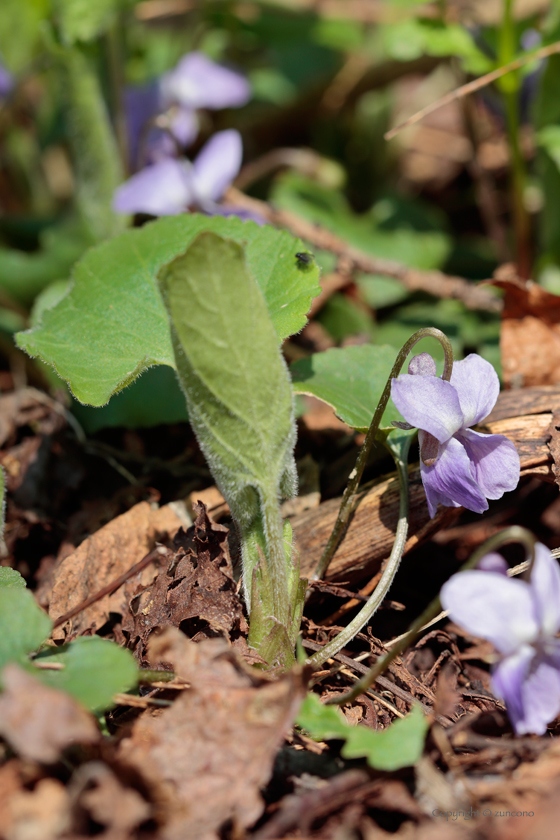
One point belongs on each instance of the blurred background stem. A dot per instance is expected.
(510, 87)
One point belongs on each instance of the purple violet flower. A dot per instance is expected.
(458, 466)
(521, 619)
(170, 186)
(198, 82)
(6, 81)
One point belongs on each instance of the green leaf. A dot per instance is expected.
(154, 399)
(240, 405)
(342, 317)
(94, 671)
(350, 379)
(549, 139)
(235, 380)
(112, 325)
(10, 578)
(23, 624)
(400, 745)
(49, 297)
(24, 275)
(83, 20)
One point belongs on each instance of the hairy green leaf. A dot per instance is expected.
(94, 671)
(400, 745)
(23, 624)
(10, 578)
(112, 325)
(235, 380)
(238, 394)
(350, 379)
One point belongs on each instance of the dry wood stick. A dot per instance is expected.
(476, 84)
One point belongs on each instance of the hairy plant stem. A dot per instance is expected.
(509, 86)
(513, 534)
(393, 563)
(276, 558)
(349, 497)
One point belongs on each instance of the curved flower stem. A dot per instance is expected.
(380, 591)
(349, 497)
(513, 534)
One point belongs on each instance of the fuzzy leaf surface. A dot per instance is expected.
(236, 383)
(112, 325)
(350, 379)
(10, 578)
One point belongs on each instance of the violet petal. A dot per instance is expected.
(451, 481)
(495, 462)
(477, 386)
(428, 403)
(492, 606)
(160, 190)
(6, 81)
(183, 124)
(198, 82)
(531, 688)
(545, 586)
(216, 166)
(507, 683)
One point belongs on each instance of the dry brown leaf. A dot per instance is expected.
(39, 722)
(209, 755)
(100, 559)
(530, 334)
(197, 587)
(98, 795)
(40, 814)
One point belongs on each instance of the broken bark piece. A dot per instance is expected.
(208, 756)
(101, 558)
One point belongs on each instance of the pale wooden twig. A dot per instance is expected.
(476, 84)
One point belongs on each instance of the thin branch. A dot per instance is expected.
(476, 84)
(435, 283)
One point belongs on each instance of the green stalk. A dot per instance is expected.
(94, 149)
(349, 497)
(509, 86)
(380, 592)
(513, 534)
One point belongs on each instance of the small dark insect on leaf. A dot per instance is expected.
(304, 259)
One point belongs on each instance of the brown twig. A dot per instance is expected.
(476, 84)
(157, 552)
(383, 682)
(434, 282)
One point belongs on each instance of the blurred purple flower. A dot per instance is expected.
(171, 186)
(458, 466)
(521, 620)
(6, 81)
(196, 82)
